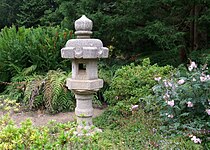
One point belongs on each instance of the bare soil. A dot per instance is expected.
(40, 118)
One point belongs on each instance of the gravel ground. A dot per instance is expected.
(39, 118)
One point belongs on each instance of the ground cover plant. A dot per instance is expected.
(139, 131)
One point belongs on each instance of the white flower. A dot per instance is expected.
(194, 79)
(193, 138)
(193, 64)
(170, 103)
(196, 140)
(181, 81)
(208, 111)
(157, 79)
(170, 116)
(203, 79)
(170, 84)
(166, 96)
(190, 68)
(134, 107)
(189, 104)
(165, 83)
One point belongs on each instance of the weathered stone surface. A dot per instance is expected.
(90, 72)
(83, 24)
(84, 84)
(84, 53)
(78, 43)
(84, 48)
(83, 27)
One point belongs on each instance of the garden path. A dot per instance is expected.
(40, 118)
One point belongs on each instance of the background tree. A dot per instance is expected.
(8, 10)
(167, 31)
(37, 12)
(130, 27)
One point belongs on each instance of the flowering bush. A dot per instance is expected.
(185, 101)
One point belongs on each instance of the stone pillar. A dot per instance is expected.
(84, 53)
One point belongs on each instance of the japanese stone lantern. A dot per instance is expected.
(84, 53)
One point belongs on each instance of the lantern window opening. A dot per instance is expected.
(82, 66)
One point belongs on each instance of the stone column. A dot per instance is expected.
(84, 53)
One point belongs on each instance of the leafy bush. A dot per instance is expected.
(107, 69)
(52, 136)
(23, 47)
(132, 83)
(8, 105)
(185, 101)
(28, 137)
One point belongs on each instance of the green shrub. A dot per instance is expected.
(29, 137)
(52, 136)
(184, 100)
(107, 69)
(24, 47)
(133, 83)
(8, 105)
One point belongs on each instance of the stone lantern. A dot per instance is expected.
(84, 53)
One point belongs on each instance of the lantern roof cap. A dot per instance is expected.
(83, 27)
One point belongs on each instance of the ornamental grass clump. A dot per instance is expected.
(185, 102)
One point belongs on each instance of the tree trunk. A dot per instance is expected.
(195, 40)
(193, 27)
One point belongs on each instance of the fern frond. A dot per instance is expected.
(33, 89)
(27, 71)
(48, 92)
(55, 95)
